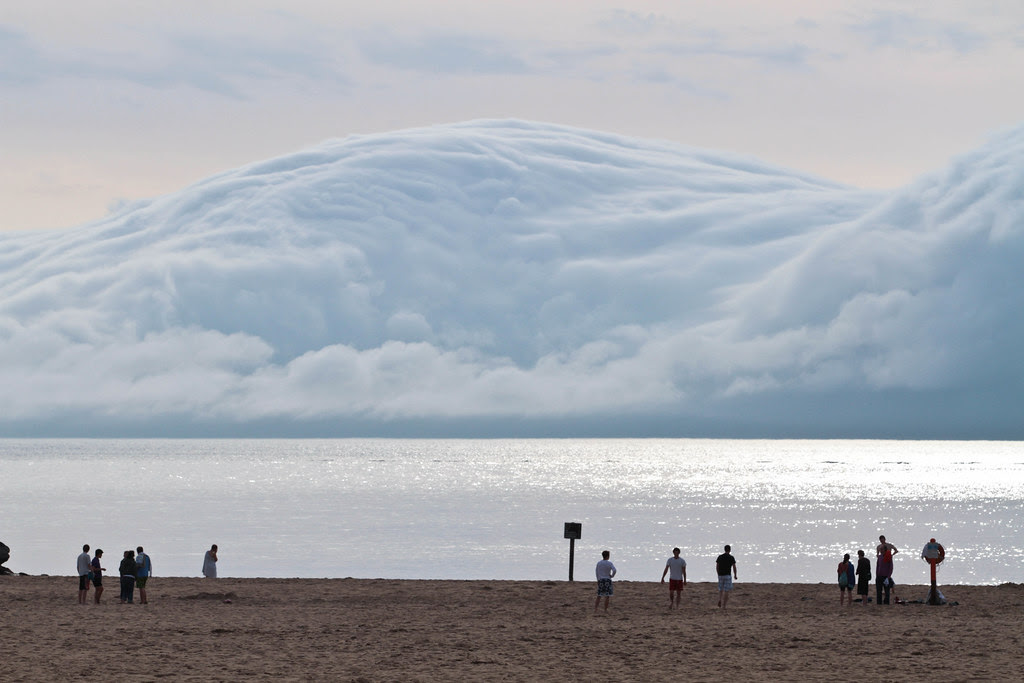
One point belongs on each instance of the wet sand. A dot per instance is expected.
(385, 630)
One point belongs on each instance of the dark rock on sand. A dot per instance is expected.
(5, 554)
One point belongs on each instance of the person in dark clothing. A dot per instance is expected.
(97, 573)
(127, 569)
(863, 577)
(724, 563)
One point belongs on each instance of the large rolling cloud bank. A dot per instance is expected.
(514, 278)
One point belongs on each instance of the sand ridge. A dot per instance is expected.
(408, 630)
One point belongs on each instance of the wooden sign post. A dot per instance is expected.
(573, 530)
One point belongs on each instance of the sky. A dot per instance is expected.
(112, 101)
(513, 278)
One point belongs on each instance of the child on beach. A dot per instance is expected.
(846, 580)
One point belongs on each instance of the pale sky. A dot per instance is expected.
(115, 100)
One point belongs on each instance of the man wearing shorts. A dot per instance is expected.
(605, 570)
(84, 569)
(143, 569)
(97, 574)
(677, 579)
(863, 576)
(724, 562)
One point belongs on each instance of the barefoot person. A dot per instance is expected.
(883, 570)
(605, 570)
(846, 580)
(127, 571)
(97, 574)
(84, 569)
(143, 570)
(210, 563)
(723, 564)
(863, 576)
(677, 579)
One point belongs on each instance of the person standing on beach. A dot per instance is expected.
(210, 563)
(143, 570)
(605, 570)
(97, 574)
(845, 572)
(84, 569)
(677, 579)
(723, 564)
(127, 571)
(863, 576)
(883, 570)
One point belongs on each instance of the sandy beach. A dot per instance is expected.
(386, 630)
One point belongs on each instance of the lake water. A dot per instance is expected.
(470, 509)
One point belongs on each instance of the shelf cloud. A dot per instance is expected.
(516, 278)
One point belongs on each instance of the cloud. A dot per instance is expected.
(515, 273)
(22, 62)
(222, 64)
(625, 22)
(449, 53)
(782, 55)
(922, 34)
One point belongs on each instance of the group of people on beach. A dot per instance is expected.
(675, 569)
(725, 567)
(885, 587)
(134, 570)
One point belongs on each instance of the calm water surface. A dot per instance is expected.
(464, 509)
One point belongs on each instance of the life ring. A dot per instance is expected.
(937, 549)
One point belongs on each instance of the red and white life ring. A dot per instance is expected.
(933, 553)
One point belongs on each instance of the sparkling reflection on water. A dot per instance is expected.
(495, 508)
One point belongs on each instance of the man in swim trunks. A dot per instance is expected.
(84, 569)
(677, 579)
(723, 563)
(863, 576)
(605, 570)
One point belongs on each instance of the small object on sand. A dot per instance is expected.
(227, 601)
